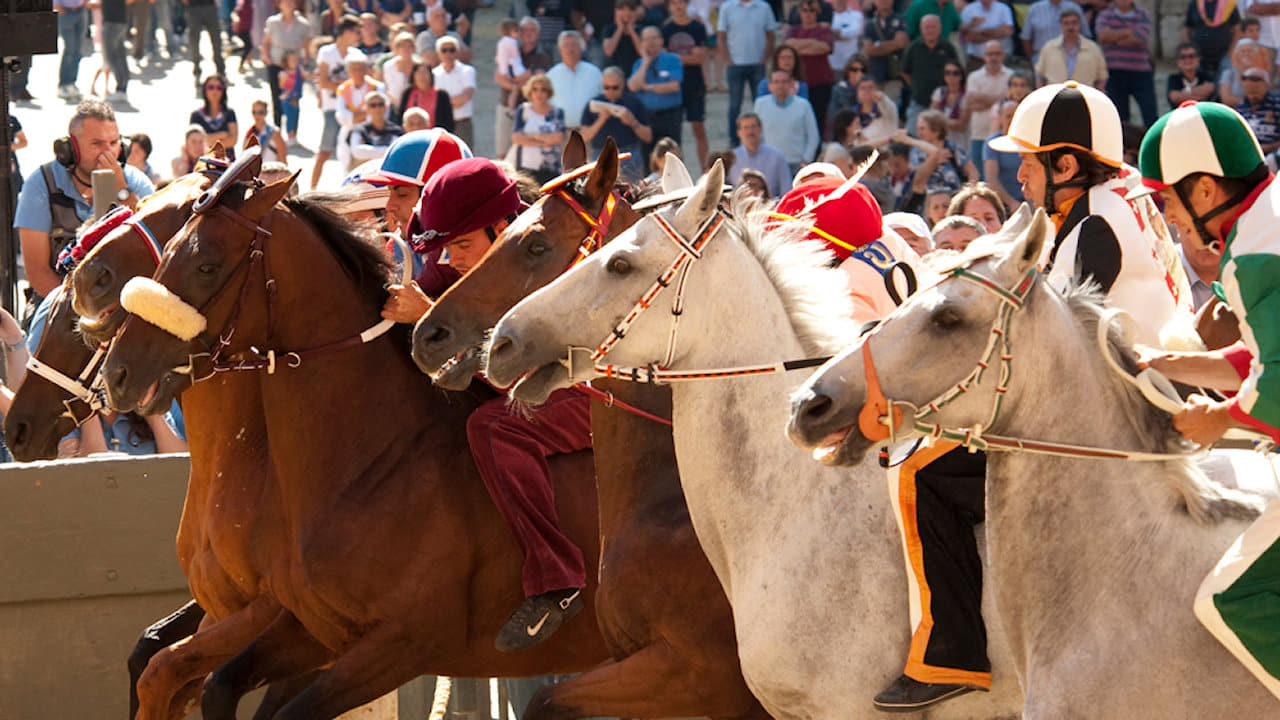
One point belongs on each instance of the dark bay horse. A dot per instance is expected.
(661, 609)
(384, 557)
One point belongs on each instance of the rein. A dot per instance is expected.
(875, 425)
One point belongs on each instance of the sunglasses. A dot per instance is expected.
(259, 112)
(1191, 56)
(1249, 77)
(612, 87)
(857, 69)
(215, 87)
(377, 104)
(448, 49)
(952, 72)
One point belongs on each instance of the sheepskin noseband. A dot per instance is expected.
(154, 303)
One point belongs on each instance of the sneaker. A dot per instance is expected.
(910, 695)
(23, 95)
(65, 92)
(117, 96)
(538, 618)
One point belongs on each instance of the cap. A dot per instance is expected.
(844, 222)
(907, 221)
(1256, 72)
(414, 157)
(1065, 115)
(1197, 137)
(463, 197)
(819, 169)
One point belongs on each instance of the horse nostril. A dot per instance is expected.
(439, 334)
(500, 345)
(101, 283)
(20, 435)
(816, 407)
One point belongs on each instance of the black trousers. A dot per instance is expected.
(941, 498)
(664, 123)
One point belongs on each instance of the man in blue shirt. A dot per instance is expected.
(788, 121)
(754, 154)
(624, 118)
(656, 78)
(744, 39)
(54, 190)
(1261, 108)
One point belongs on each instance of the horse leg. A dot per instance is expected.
(181, 624)
(280, 693)
(373, 666)
(175, 667)
(654, 682)
(282, 651)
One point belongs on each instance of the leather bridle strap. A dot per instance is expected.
(90, 394)
(599, 224)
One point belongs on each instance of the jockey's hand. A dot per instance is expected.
(405, 303)
(1203, 421)
(1150, 357)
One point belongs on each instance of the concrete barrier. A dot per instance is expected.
(87, 562)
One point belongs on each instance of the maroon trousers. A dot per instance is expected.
(511, 454)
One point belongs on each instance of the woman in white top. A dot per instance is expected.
(397, 70)
(538, 130)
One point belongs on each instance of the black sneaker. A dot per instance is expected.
(909, 695)
(538, 618)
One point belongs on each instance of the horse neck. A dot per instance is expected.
(1066, 536)
(634, 456)
(348, 415)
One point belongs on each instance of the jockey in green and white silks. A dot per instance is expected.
(1207, 165)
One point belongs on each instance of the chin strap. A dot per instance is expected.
(1201, 221)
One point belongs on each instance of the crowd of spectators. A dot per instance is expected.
(920, 85)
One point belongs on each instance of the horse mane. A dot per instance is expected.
(815, 295)
(1204, 500)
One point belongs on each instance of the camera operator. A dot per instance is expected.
(58, 197)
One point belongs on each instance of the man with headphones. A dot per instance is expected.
(58, 197)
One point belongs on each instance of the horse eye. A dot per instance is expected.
(946, 319)
(536, 248)
(619, 266)
(208, 269)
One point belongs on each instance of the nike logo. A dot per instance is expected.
(534, 629)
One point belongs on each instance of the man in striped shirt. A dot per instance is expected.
(1124, 30)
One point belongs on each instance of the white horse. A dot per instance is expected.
(1095, 562)
(809, 557)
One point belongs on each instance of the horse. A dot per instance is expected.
(47, 404)
(811, 562)
(663, 615)
(1095, 552)
(347, 579)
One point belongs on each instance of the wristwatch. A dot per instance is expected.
(123, 194)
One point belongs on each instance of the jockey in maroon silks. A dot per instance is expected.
(464, 206)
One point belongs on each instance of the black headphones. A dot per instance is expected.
(67, 151)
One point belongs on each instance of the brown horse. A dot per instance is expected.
(361, 455)
(660, 607)
(43, 410)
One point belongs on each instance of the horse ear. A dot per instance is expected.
(575, 152)
(1026, 252)
(1016, 224)
(218, 151)
(699, 206)
(250, 141)
(604, 175)
(261, 201)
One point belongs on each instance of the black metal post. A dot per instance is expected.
(8, 235)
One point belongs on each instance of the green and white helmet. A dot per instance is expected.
(1197, 137)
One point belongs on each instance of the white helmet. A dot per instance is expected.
(1065, 115)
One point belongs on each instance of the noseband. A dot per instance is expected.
(86, 390)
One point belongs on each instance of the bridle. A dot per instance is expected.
(598, 224)
(585, 363)
(86, 391)
(874, 418)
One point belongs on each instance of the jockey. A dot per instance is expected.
(850, 224)
(1070, 140)
(410, 161)
(1206, 163)
(463, 209)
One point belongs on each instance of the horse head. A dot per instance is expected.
(128, 251)
(576, 214)
(588, 305)
(203, 278)
(844, 409)
(44, 409)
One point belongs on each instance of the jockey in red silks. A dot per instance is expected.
(848, 220)
(463, 208)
